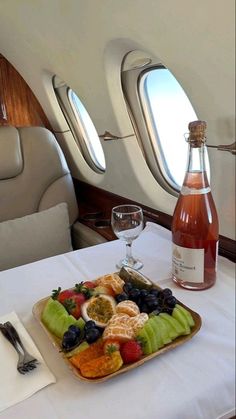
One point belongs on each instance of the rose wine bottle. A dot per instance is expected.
(195, 227)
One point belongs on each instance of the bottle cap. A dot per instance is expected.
(197, 133)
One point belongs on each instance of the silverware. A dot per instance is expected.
(26, 362)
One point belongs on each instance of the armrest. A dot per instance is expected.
(83, 236)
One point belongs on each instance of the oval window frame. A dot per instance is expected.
(133, 80)
(77, 125)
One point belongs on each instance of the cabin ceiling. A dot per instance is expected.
(84, 41)
(71, 39)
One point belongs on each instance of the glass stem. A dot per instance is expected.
(128, 251)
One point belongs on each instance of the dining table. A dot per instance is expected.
(195, 380)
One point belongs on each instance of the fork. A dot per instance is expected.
(7, 335)
(29, 362)
(28, 359)
(25, 362)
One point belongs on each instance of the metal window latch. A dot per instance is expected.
(231, 148)
(107, 136)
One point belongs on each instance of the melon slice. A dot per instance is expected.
(145, 341)
(84, 345)
(57, 325)
(80, 323)
(57, 319)
(163, 329)
(171, 330)
(180, 330)
(157, 332)
(52, 310)
(178, 315)
(152, 336)
(187, 315)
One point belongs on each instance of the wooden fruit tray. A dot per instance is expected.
(38, 309)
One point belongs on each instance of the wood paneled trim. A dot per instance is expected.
(227, 248)
(18, 105)
(95, 200)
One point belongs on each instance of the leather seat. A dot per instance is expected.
(34, 176)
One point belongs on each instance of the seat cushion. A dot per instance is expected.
(11, 160)
(36, 236)
(34, 175)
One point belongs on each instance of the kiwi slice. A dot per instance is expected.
(137, 279)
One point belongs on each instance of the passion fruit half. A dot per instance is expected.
(100, 309)
(137, 279)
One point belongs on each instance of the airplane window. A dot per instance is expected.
(81, 126)
(89, 132)
(171, 111)
(161, 112)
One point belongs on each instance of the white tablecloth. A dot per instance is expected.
(193, 381)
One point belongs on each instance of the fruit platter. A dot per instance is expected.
(115, 323)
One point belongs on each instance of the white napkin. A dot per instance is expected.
(15, 387)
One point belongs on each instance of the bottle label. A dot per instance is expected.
(188, 264)
(185, 190)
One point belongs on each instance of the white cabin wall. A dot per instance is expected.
(83, 42)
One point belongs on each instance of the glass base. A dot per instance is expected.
(131, 263)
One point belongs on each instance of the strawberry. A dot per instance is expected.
(82, 288)
(62, 295)
(89, 284)
(73, 304)
(72, 298)
(111, 345)
(131, 351)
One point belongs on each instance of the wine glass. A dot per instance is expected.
(127, 224)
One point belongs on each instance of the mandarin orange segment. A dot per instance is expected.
(121, 332)
(117, 283)
(128, 307)
(137, 322)
(92, 352)
(102, 366)
(118, 318)
(99, 289)
(112, 281)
